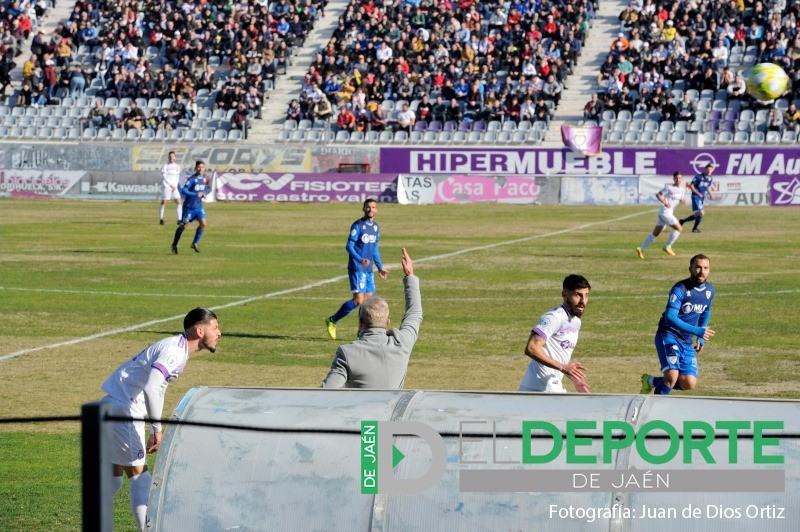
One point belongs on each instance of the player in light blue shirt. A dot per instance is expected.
(699, 186)
(193, 192)
(686, 317)
(362, 249)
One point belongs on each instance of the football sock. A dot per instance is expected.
(652, 381)
(178, 233)
(672, 238)
(161, 212)
(179, 211)
(697, 222)
(346, 308)
(647, 241)
(116, 485)
(661, 388)
(688, 219)
(677, 385)
(197, 236)
(140, 491)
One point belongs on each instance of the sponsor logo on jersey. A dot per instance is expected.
(673, 298)
(708, 294)
(368, 239)
(688, 308)
(672, 359)
(354, 232)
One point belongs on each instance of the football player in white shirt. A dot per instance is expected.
(170, 187)
(669, 197)
(136, 390)
(553, 340)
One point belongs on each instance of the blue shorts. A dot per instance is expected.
(191, 215)
(697, 203)
(674, 354)
(361, 282)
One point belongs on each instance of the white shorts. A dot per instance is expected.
(127, 438)
(169, 194)
(667, 219)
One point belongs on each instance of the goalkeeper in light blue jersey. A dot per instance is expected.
(364, 257)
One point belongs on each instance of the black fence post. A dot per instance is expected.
(97, 513)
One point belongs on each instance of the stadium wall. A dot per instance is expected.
(618, 176)
(307, 460)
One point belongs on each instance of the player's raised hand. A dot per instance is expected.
(408, 264)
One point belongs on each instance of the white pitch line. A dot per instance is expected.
(543, 298)
(103, 293)
(318, 283)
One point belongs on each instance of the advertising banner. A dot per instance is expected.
(239, 157)
(739, 162)
(725, 190)
(612, 190)
(426, 189)
(312, 188)
(784, 191)
(38, 183)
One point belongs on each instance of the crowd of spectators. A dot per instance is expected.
(697, 46)
(444, 60)
(19, 19)
(228, 51)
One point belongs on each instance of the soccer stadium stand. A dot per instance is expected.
(401, 71)
(680, 68)
(155, 68)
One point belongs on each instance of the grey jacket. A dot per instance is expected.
(379, 358)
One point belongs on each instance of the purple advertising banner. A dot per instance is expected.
(784, 191)
(312, 188)
(612, 161)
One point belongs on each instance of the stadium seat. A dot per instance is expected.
(356, 137)
(103, 134)
(504, 137)
(312, 135)
(60, 133)
(342, 136)
(519, 136)
(741, 137)
(509, 125)
(647, 137)
(415, 137)
(773, 137)
(676, 137)
(235, 135)
(288, 125)
(489, 137)
(133, 134)
(220, 135)
(725, 137)
(298, 135)
(74, 133)
(89, 133)
(667, 126)
(400, 137)
(473, 137)
(788, 137)
(191, 135)
(615, 137)
(494, 125)
(757, 137)
(631, 138)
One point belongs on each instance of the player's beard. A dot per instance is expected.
(204, 345)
